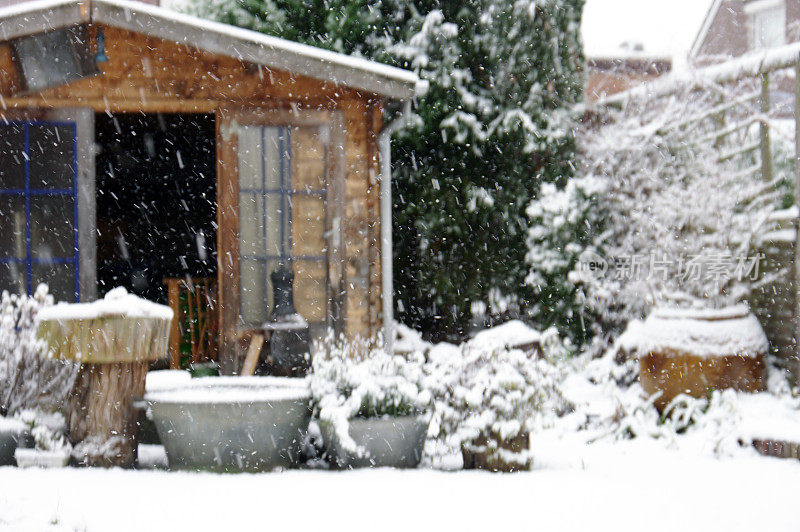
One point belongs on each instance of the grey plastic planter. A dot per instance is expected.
(13, 434)
(389, 442)
(232, 423)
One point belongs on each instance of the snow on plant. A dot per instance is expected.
(350, 382)
(48, 429)
(29, 380)
(492, 395)
(671, 207)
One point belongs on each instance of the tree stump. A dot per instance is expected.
(103, 424)
(114, 340)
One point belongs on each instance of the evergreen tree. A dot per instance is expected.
(496, 122)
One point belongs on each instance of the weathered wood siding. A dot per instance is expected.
(146, 74)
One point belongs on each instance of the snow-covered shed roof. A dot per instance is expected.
(43, 15)
(626, 29)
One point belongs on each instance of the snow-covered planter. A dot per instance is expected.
(372, 407)
(41, 458)
(42, 441)
(696, 351)
(231, 423)
(13, 434)
(489, 397)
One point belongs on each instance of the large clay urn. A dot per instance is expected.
(696, 351)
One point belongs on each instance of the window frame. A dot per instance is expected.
(332, 124)
(28, 193)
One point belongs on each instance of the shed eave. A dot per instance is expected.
(222, 39)
(39, 16)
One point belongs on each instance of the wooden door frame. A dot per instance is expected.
(227, 120)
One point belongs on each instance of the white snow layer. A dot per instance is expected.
(226, 389)
(511, 334)
(628, 486)
(725, 332)
(117, 302)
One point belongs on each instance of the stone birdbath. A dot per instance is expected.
(114, 340)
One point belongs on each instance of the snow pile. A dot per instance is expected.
(28, 380)
(510, 334)
(347, 383)
(117, 302)
(732, 331)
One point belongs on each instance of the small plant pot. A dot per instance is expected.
(477, 456)
(388, 442)
(13, 434)
(38, 458)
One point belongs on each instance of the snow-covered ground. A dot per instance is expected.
(635, 485)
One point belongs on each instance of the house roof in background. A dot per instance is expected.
(43, 15)
(663, 29)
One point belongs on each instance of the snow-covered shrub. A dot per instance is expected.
(488, 395)
(565, 223)
(348, 382)
(49, 429)
(29, 380)
(679, 220)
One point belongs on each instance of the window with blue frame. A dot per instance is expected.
(38, 208)
(282, 192)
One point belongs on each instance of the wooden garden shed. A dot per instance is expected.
(187, 160)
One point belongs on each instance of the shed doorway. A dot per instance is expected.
(156, 201)
(156, 220)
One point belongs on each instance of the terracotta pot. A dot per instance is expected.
(476, 458)
(696, 351)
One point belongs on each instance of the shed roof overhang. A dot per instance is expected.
(43, 15)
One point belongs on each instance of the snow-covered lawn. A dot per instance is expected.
(634, 485)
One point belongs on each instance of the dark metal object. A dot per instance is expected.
(290, 344)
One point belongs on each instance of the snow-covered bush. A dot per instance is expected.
(488, 395)
(29, 380)
(680, 220)
(565, 224)
(348, 382)
(49, 429)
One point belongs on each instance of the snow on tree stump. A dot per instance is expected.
(696, 351)
(114, 340)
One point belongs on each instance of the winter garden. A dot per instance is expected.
(591, 321)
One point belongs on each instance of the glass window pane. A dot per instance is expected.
(60, 278)
(249, 155)
(256, 290)
(308, 159)
(47, 59)
(12, 277)
(253, 294)
(251, 224)
(52, 230)
(12, 226)
(310, 297)
(277, 226)
(52, 154)
(12, 156)
(308, 225)
(274, 168)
